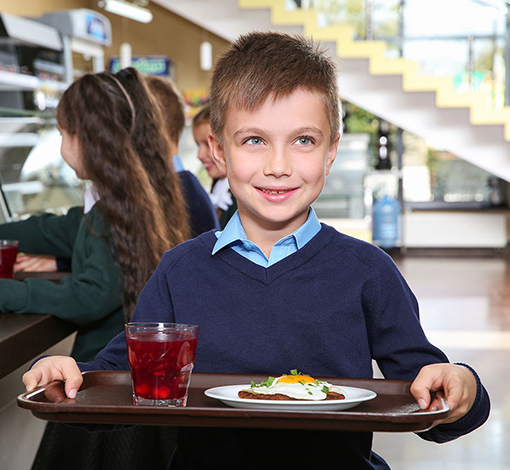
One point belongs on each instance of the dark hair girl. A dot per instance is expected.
(151, 144)
(114, 244)
(110, 135)
(98, 110)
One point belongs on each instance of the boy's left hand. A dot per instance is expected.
(457, 382)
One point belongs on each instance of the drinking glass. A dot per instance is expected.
(161, 357)
(8, 253)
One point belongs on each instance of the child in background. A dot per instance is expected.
(171, 107)
(288, 292)
(221, 196)
(64, 447)
(158, 107)
(116, 240)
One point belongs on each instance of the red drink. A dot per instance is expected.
(161, 362)
(8, 252)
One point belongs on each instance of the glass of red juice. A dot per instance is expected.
(161, 357)
(8, 253)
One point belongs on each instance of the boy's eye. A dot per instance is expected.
(304, 140)
(254, 141)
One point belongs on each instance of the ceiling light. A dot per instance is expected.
(126, 9)
(206, 55)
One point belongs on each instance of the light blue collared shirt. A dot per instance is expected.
(233, 235)
(177, 162)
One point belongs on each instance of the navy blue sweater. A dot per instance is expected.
(326, 310)
(202, 216)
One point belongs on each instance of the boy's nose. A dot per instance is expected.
(278, 164)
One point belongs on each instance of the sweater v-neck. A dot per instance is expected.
(269, 274)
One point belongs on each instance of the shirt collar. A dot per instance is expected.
(177, 162)
(234, 232)
(90, 197)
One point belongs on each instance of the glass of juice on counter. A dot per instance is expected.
(8, 252)
(161, 358)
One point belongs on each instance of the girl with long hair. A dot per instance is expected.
(152, 143)
(115, 241)
(133, 212)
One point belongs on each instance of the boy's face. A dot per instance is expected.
(276, 159)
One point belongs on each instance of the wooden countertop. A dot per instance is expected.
(25, 336)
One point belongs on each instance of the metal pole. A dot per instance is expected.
(68, 60)
(507, 58)
(470, 65)
(400, 133)
(401, 32)
(368, 19)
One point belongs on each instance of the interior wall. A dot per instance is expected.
(167, 34)
(38, 7)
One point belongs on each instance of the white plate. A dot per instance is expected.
(228, 395)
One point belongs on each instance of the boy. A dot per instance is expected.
(278, 290)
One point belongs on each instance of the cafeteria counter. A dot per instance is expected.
(24, 337)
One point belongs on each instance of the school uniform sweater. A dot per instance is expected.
(326, 310)
(90, 298)
(202, 216)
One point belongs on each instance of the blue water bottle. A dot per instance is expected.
(386, 223)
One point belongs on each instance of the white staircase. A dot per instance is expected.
(389, 88)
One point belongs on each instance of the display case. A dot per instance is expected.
(36, 66)
(34, 176)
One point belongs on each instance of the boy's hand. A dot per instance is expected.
(54, 368)
(457, 382)
(35, 263)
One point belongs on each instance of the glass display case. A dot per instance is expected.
(36, 66)
(34, 176)
(32, 79)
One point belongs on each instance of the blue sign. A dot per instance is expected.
(149, 65)
(96, 28)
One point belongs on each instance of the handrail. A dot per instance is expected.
(492, 81)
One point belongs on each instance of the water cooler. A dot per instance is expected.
(386, 223)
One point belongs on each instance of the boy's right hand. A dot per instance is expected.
(54, 368)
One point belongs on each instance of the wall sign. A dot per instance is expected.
(149, 65)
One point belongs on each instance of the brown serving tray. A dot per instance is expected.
(106, 397)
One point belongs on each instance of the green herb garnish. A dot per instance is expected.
(264, 383)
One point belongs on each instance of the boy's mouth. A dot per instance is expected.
(274, 191)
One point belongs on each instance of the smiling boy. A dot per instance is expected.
(278, 290)
(277, 166)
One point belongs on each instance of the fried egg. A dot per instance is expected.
(297, 386)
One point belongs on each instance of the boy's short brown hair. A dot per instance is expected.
(171, 104)
(263, 64)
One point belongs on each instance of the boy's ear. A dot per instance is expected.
(332, 154)
(218, 153)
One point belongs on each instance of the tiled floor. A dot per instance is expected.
(465, 310)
